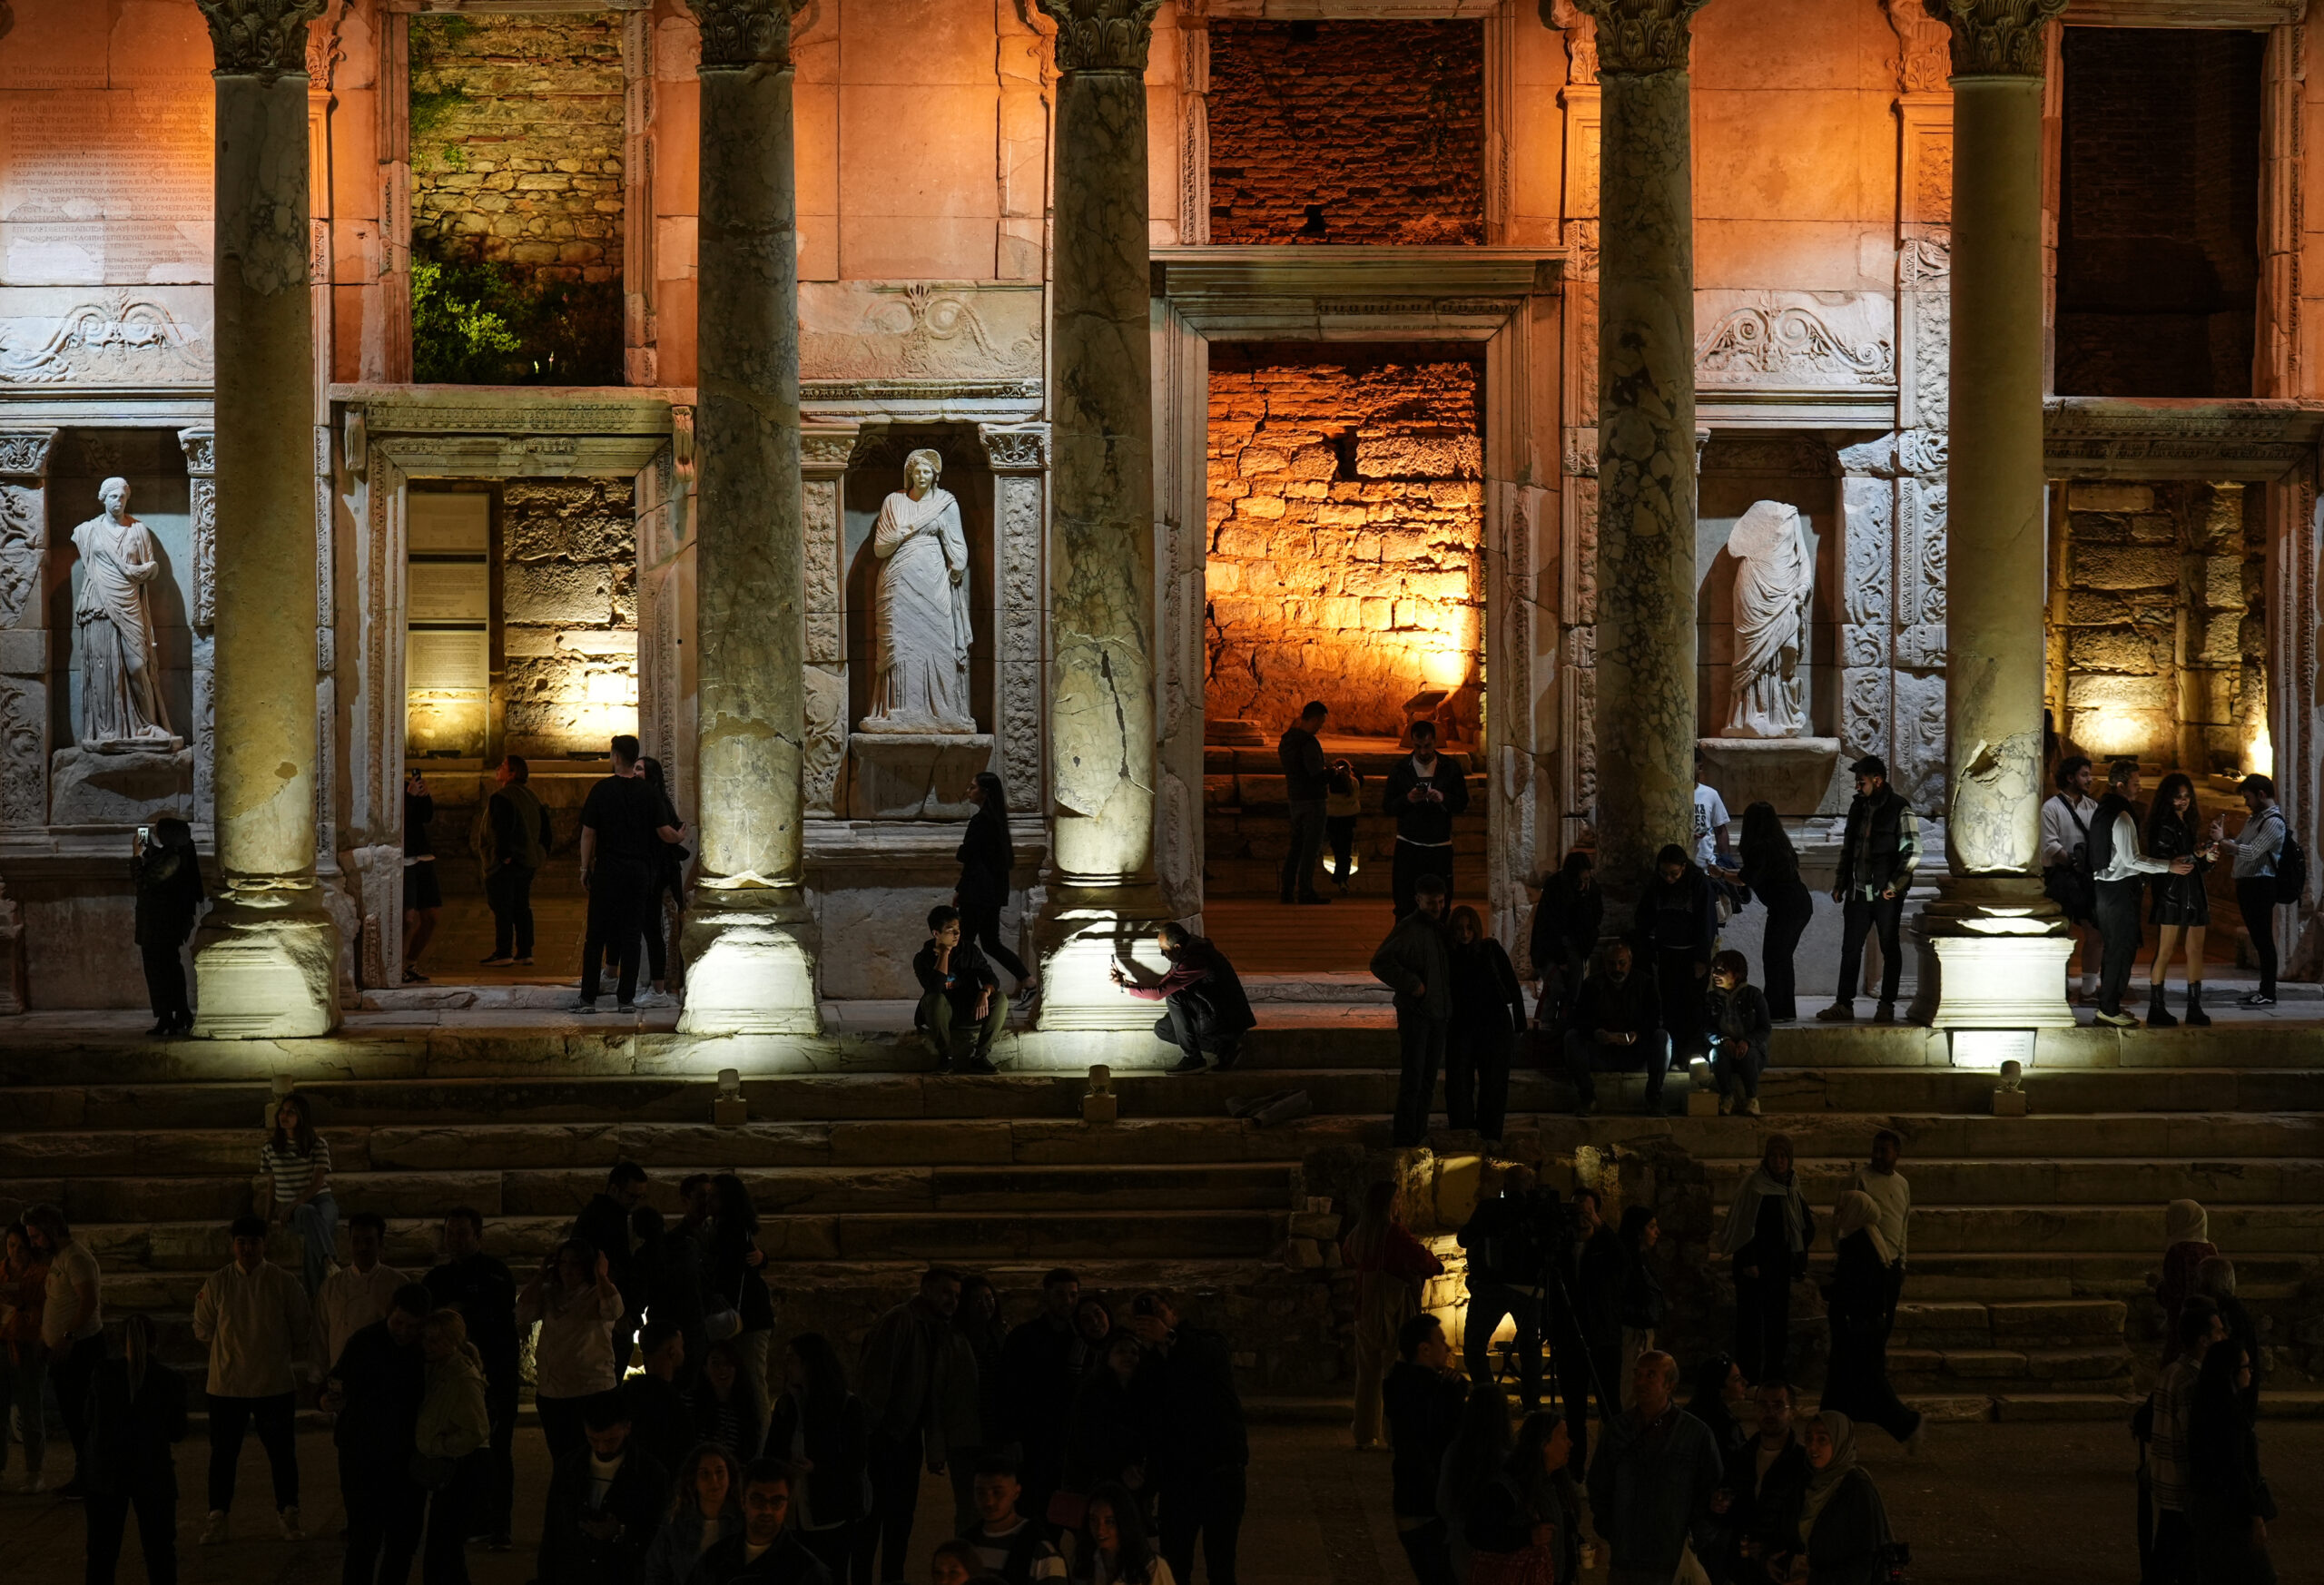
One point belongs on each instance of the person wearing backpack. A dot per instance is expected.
(2065, 862)
(2268, 863)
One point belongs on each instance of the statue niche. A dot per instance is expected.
(920, 624)
(112, 633)
(1775, 582)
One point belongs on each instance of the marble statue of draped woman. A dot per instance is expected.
(920, 615)
(1774, 583)
(112, 631)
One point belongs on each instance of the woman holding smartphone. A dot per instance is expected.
(167, 873)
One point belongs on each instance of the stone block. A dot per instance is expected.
(1314, 1225)
(89, 788)
(1800, 776)
(558, 595)
(2136, 651)
(2100, 496)
(2136, 567)
(914, 775)
(2223, 581)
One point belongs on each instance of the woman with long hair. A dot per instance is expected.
(732, 1263)
(1523, 1524)
(1480, 1450)
(987, 861)
(669, 881)
(1564, 934)
(1641, 1289)
(1770, 869)
(724, 1411)
(296, 1161)
(1390, 1265)
(573, 1298)
(705, 1507)
(2230, 1505)
(1108, 1437)
(820, 1427)
(168, 878)
(2181, 907)
(1112, 1547)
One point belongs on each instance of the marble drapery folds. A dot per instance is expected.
(1774, 583)
(121, 705)
(921, 615)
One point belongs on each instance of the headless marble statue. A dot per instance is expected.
(1773, 585)
(921, 608)
(112, 632)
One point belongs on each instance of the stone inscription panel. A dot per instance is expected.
(108, 188)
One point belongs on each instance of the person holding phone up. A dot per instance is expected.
(167, 873)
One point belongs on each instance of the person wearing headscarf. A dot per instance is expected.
(1766, 1235)
(2215, 1280)
(1857, 1385)
(2186, 1244)
(2228, 1501)
(1843, 1524)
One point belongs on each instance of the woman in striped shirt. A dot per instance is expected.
(296, 1161)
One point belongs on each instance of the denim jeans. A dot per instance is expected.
(317, 1225)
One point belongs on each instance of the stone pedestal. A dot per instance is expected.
(266, 954)
(750, 967)
(1645, 717)
(916, 775)
(1997, 942)
(1101, 552)
(88, 788)
(1801, 776)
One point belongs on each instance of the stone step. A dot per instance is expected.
(2070, 1229)
(1993, 1181)
(2036, 1323)
(1916, 1370)
(2018, 1275)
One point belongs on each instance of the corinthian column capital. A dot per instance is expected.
(260, 38)
(2001, 38)
(1637, 36)
(745, 32)
(1102, 35)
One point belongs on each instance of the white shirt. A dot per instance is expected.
(1892, 1196)
(70, 1268)
(2127, 863)
(2059, 835)
(1710, 823)
(349, 1300)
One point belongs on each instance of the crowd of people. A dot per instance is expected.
(1082, 1445)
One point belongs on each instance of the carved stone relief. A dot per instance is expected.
(123, 339)
(23, 707)
(825, 750)
(1794, 339)
(1924, 47)
(883, 330)
(200, 466)
(1020, 633)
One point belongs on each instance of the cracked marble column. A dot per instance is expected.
(1646, 727)
(1999, 944)
(748, 942)
(1103, 897)
(266, 957)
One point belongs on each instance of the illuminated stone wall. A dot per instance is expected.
(2166, 629)
(568, 608)
(1346, 510)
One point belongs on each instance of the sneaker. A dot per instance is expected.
(1751, 1107)
(978, 1065)
(2255, 999)
(2120, 1020)
(586, 1004)
(494, 962)
(1726, 1106)
(1191, 1065)
(414, 977)
(1886, 1014)
(1025, 996)
(213, 1534)
(657, 999)
(290, 1531)
(625, 1006)
(1654, 1103)
(1584, 1109)
(1227, 1058)
(1839, 1012)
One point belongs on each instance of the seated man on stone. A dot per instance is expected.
(1206, 1008)
(960, 1003)
(1617, 1028)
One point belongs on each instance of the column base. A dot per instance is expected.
(266, 968)
(1995, 956)
(1081, 933)
(750, 964)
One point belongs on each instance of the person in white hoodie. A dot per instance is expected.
(2120, 868)
(453, 1426)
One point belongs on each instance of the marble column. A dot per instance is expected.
(1645, 717)
(2000, 949)
(748, 937)
(1103, 896)
(266, 956)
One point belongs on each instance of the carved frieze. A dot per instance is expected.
(1020, 632)
(1865, 698)
(1799, 458)
(1015, 450)
(1102, 35)
(2001, 38)
(1924, 47)
(262, 38)
(824, 752)
(23, 453)
(123, 339)
(24, 796)
(919, 330)
(1794, 339)
(738, 34)
(1641, 35)
(201, 448)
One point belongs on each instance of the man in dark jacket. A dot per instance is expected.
(1617, 1028)
(918, 1379)
(1758, 1507)
(479, 1287)
(603, 1226)
(1203, 998)
(1678, 924)
(1601, 1270)
(1878, 852)
(661, 1421)
(960, 997)
(375, 1387)
(136, 1412)
(1653, 1481)
(1423, 1395)
(1038, 1377)
(1424, 792)
(605, 1500)
(767, 1550)
(1306, 780)
(168, 878)
(1414, 964)
(1508, 1246)
(1201, 1449)
(516, 844)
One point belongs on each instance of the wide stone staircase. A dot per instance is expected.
(2031, 1247)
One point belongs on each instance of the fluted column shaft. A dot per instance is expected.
(265, 960)
(1645, 721)
(749, 968)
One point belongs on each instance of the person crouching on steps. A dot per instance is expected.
(959, 996)
(1739, 1022)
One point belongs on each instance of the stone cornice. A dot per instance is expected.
(736, 33)
(2001, 38)
(1102, 35)
(2103, 437)
(260, 38)
(1638, 36)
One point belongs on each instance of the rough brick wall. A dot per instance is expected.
(1347, 132)
(2162, 628)
(2158, 238)
(1346, 512)
(516, 141)
(568, 608)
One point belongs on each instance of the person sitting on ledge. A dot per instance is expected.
(960, 997)
(1206, 1008)
(1617, 1025)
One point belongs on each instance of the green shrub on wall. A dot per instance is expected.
(491, 323)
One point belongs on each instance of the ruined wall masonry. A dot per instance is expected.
(568, 613)
(1345, 513)
(1347, 132)
(516, 141)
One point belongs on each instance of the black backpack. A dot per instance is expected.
(2292, 867)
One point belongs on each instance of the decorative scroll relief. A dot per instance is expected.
(2001, 38)
(1924, 47)
(1015, 450)
(1642, 36)
(1103, 35)
(25, 453)
(24, 797)
(1794, 339)
(122, 340)
(880, 330)
(1581, 42)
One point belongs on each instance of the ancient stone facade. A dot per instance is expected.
(1346, 513)
(568, 613)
